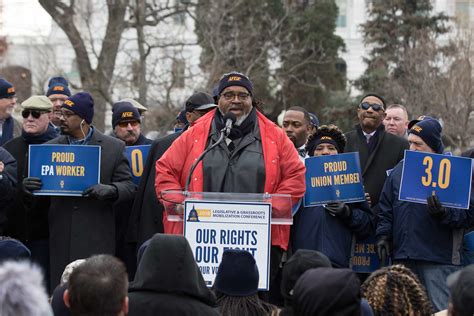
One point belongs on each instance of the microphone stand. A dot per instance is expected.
(188, 180)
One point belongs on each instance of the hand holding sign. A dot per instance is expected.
(339, 209)
(101, 192)
(383, 250)
(435, 208)
(31, 184)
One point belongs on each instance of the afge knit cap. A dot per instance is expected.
(429, 130)
(124, 111)
(6, 89)
(82, 104)
(58, 85)
(235, 79)
(237, 274)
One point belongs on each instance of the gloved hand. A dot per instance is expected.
(383, 250)
(101, 192)
(339, 209)
(30, 184)
(435, 208)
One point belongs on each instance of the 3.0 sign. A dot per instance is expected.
(447, 176)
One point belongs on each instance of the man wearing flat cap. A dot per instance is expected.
(28, 215)
(256, 157)
(83, 226)
(9, 127)
(425, 238)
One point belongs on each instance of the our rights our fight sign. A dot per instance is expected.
(212, 227)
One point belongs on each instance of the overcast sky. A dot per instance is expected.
(24, 18)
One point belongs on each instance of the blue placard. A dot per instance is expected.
(448, 177)
(364, 258)
(136, 156)
(333, 178)
(64, 169)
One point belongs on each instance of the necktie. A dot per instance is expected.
(368, 136)
(302, 152)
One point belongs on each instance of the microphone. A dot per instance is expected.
(229, 120)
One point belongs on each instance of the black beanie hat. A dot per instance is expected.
(124, 111)
(6, 89)
(82, 104)
(235, 79)
(58, 85)
(429, 130)
(237, 274)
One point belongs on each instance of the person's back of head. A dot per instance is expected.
(395, 290)
(327, 291)
(22, 291)
(98, 286)
(461, 283)
(236, 285)
(12, 249)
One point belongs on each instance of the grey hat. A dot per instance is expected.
(37, 102)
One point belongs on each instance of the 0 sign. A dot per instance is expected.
(425, 174)
(136, 156)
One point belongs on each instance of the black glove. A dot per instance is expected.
(31, 184)
(339, 209)
(435, 208)
(101, 192)
(383, 250)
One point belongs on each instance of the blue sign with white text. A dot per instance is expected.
(333, 178)
(364, 258)
(64, 169)
(425, 174)
(136, 156)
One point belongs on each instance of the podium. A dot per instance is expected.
(216, 221)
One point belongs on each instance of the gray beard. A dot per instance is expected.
(240, 120)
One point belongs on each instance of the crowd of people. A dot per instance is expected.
(114, 251)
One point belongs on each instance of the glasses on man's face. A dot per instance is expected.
(375, 106)
(35, 113)
(65, 114)
(125, 124)
(229, 96)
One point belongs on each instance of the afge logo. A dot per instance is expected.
(58, 88)
(416, 128)
(235, 78)
(69, 103)
(11, 90)
(127, 114)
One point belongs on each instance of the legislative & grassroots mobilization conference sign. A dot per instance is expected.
(136, 156)
(425, 174)
(212, 227)
(333, 178)
(64, 169)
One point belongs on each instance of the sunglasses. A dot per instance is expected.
(376, 107)
(35, 113)
(125, 124)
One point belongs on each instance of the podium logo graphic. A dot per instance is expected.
(193, 215)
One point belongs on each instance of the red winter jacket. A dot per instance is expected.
(284, 172)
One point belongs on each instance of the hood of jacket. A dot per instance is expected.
(168, 266)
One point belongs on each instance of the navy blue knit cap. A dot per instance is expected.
(234, 79)
(124, 111)
(314, 119)
(58, 85)
(237, 274)
(13, 249)
(429, 130)
(6, 89)
(82, 104)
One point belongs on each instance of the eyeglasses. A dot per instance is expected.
(376, 107)
(125, 124)
(242, 96)
(65, 114)
(35, 113)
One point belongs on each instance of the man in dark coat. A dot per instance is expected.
(126, 122)
(9, 127)
(7, 184)
(168, 281)
(378, 150)
(147, 213)
(28, 215)
(83, 226)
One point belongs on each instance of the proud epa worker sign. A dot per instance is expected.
(212, 227)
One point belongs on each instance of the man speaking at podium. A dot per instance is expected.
(256, 157)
